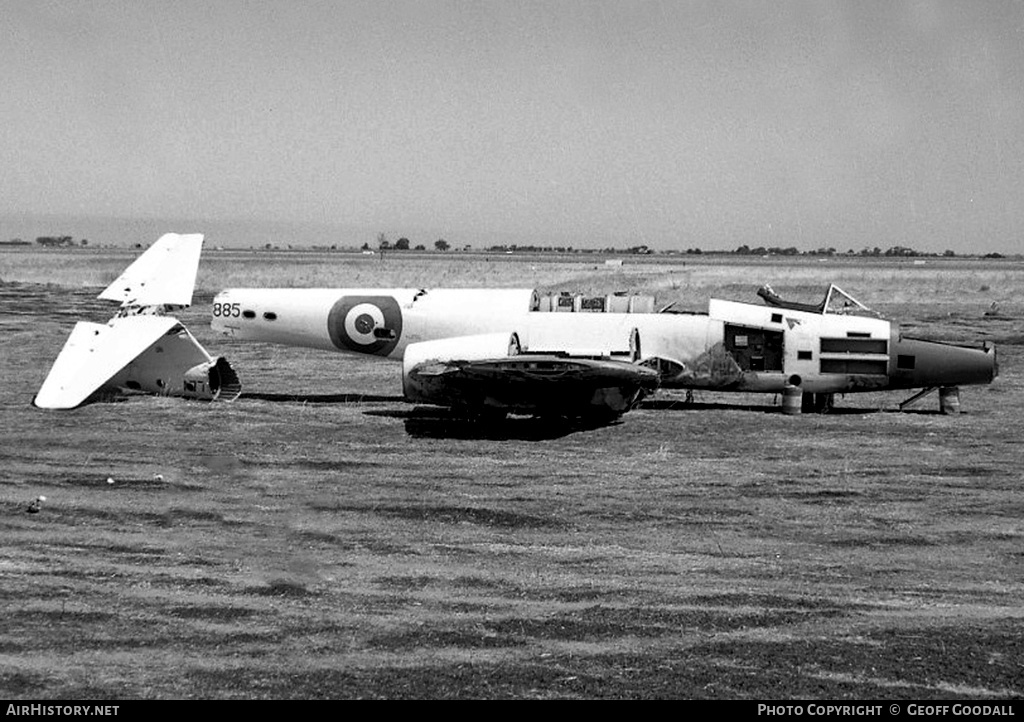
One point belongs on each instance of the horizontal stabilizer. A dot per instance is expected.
(94, 353)
(164, 275)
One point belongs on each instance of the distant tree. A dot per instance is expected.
(382, 242)
(54, 241)
(949, 254)
(402, 244)
(420, 247)
(441, 244)
(365, 247)
(84, 242)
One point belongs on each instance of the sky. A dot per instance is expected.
(676, 124)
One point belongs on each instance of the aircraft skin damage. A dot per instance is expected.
(838, 346)
(541, 384)
(492, 373)
(715, 369)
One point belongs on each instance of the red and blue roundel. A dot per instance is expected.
(365, 324)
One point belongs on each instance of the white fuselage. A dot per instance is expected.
(735, 346)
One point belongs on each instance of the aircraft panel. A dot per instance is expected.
(94, 353)
(159, 369)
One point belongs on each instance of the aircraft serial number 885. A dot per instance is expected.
(227, 310)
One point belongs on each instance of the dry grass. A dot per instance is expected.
(320, 538)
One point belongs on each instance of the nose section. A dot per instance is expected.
(919, 364)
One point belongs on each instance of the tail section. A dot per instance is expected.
(141, 348)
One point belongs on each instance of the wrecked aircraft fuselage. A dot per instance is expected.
(838, 346)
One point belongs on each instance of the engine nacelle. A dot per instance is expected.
(425, 363)
(493, 373)
(212, 381)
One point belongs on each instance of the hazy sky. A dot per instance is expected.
(676, 124)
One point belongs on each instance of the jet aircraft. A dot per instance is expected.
(512, 350)
(142, 348)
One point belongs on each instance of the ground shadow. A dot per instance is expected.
(441, 423)
(682, 405)
(323, 398)
(546, 428)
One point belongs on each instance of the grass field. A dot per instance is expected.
(320, 538)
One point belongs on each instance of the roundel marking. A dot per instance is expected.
(360, 323)
(365, 324)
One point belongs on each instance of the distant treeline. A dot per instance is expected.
(54, 242)
(744, 250)
(403, 244)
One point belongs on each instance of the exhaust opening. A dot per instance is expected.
(224, 382)
(213, 381)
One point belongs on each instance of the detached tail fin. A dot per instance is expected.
(165, 275)
(141, 348)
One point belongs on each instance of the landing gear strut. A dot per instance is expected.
(949, 399)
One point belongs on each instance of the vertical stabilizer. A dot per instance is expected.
(164, 275)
